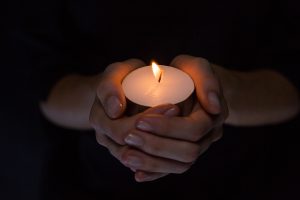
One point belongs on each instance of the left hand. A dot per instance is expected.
(171, 144)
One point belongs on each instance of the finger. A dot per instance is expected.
(146, 165)
(140, 161)
(206, 82)
(168, 110)
(141, 176)
(190, 128)
(118, 129)
(114, 149)
(172, 149)
(110, 92)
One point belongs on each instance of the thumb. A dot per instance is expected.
(206, 83)
(109, 90)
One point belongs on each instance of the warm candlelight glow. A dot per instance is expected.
(157, 71)
(154, 85)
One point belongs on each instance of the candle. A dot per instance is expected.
(157, 84)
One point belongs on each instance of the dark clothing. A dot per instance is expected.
(45, 40)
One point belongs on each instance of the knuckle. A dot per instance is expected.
(202, 61)
(112, 67)
(196, 135)
(154, 149)
(115, 135)
(99, 139)
(179, 57)
(125, 153)
(192, 154)
(205, 67)
(200, 129)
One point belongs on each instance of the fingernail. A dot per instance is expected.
(133, 161)
(113, 106)
(214, 100)
(134, 140)
(144, 126)
(171, 112)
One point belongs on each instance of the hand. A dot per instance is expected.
(110, 103)
(107, 113)
(173, 144)
(110, 132)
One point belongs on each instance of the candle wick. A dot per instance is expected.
(159, 78)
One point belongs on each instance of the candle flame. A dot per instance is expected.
(157, 71)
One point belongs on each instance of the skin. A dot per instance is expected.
(160, 141)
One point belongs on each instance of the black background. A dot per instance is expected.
(43, 40)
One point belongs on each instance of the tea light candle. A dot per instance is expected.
(157, 84)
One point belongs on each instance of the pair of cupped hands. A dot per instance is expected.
(159, 140)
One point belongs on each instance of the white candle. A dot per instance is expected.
(157, 84)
